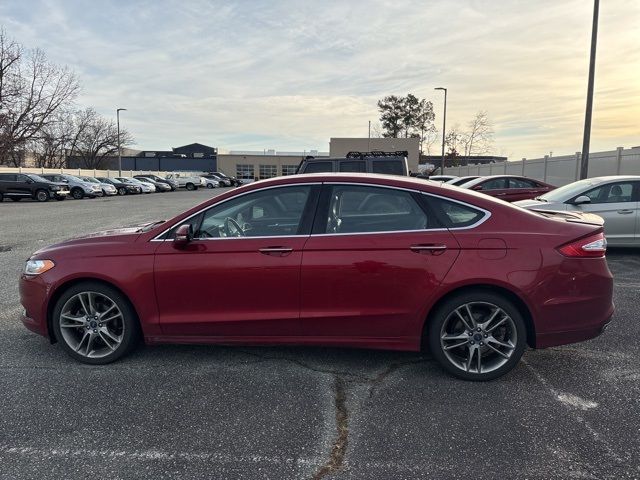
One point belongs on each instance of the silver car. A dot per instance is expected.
(614, 198)
(107, 188)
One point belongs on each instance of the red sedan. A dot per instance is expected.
(344, 260)
(510, 188)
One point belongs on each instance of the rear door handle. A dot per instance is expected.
(276, 251)
(432, 249)
(625, 212)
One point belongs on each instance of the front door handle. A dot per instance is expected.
(276, 251)
(431, 248)
(625, 212)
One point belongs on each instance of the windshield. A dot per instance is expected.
(37, 178)
(73, 178)
(90, 179)
(566, 192)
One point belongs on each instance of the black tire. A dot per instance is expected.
(221, 184)
(1, 198)
(42, 195)
(131, 329)
(479, 299)
(77, 193)
(122, 191)
(209, 185)
(16, 199)
(190, 186)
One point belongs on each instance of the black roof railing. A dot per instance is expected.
(378, 153)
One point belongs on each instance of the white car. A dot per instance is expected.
(146, 187)
(188, 180)
(107, 188)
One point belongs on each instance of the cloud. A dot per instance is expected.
(288, 75)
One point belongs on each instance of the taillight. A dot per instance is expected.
(591, 246)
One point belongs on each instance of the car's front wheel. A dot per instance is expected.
(122, 191)
(477, 335)
(95, 323)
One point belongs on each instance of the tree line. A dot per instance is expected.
(411, 116)
(39, 116)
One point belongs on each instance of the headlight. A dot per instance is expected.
(36, 267)
(54, 188)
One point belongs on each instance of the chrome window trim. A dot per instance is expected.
(487, 214)
(156, 239)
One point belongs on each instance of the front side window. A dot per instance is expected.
(271, 213)
(495, 184)
(612, 193)
(521, 183)
(364, 209)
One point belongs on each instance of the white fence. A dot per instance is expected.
(81, 172)
(561, 170)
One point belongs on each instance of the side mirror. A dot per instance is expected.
(184, 234)
(581, 200)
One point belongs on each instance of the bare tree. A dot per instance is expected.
(53, 142)
(31, 91)
(96, 139)
(478, 140)
(453, 139)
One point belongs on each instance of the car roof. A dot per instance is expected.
(612, 178)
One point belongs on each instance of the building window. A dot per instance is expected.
(245, 171)
(289, 169)
(268, 171)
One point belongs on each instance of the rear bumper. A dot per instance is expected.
(554, 339)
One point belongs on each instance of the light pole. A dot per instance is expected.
(119, 151)
(584, 164)
(444, 126)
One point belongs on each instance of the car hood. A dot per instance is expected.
(115, 235)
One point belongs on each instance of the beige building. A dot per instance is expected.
(258, 166)
(339, 147)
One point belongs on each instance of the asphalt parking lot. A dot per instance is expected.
(219, 412)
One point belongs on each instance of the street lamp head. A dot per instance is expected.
(120, 109)
(440, 88)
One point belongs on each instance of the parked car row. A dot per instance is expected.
(59, 186)
(615, 198)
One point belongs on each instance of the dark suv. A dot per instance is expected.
(17, 186)
(390, 163)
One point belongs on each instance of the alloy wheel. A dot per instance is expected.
(92, 324)
(478, 337)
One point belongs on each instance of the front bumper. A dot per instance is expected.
(34, 298)
(60, 194)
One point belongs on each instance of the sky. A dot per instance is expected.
(288, 75)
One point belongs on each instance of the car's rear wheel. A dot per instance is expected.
(190, 186)
(477, 335)
(77, 193)
(95, 323)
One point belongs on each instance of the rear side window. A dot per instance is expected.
(453, 214)
(364, 209)
(7, 177)
(318, 167)
(388, 167)
(353, 166)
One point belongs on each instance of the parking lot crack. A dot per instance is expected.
(335, 462)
